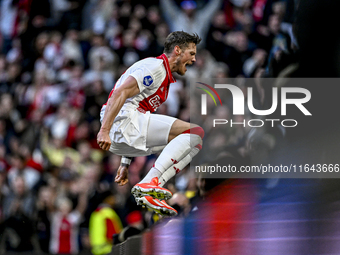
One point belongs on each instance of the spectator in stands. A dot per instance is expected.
(18, 208)
(255, 61)
(128, 53)
(20, 169)
(44, 205)
(71, 47)
(236, 52)
(188, 18)
(103, 62)
(215, 35)
(65, 223)
(181, 203)
(71, 12)
(13, 20)
(53, 53)
(56, 151)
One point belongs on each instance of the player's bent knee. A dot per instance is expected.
(197, 130)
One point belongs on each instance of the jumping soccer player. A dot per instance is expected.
(130, 130)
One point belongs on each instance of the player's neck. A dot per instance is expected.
(172, 62)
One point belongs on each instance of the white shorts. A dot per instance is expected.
(134, 133)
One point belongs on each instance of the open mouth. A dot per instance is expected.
(185, 65)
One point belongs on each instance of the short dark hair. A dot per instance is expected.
(180, 38)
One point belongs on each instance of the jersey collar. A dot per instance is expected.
(167, 67)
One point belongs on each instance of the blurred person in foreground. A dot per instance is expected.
(104, 223)
(135, 226)
(130, 130)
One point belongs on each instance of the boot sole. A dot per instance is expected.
(160, 194)
(163, 211)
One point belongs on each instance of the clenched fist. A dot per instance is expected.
(103, 140)
(122, 176)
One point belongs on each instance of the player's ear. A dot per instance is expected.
(177, 50)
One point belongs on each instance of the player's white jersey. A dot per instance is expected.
(153, 76)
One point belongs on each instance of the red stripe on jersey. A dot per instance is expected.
(65, 237)
(152, 102)
(167, 67)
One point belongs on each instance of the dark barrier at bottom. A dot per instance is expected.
(132, 246)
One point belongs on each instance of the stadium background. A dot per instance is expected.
(59, 60)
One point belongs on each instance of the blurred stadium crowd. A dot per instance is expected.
(60, 59)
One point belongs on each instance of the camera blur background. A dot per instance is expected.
(60, 59)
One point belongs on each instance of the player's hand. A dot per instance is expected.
(122, 175)
(103, 140)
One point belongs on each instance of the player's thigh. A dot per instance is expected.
(123, 149)
(158, 130)
(157, 149)
(178, 127)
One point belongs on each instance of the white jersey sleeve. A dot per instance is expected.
(148, 73)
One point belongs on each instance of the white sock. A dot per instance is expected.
(154, 172)
(173, 153)
(176, 150)
(175, 169)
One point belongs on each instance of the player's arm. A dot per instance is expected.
(122, 172)
(128, 89)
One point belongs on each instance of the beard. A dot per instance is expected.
(179, 66)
